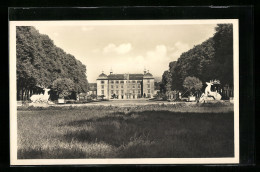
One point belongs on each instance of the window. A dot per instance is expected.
(102, 82)
(102, 86)
(133, 81)
(133, 91)
(112, 82)
(148, 81)
(122, 92)
(117, 91)
(138, 81)
(121, 82)
(148, 86)
(117, 82)
(133, 86)
(122, 86)
(112, 86)
(102, 92)
(117, 86)
(148, 91)
(112, 91)
(139, 86)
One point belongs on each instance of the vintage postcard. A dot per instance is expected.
(124, 92)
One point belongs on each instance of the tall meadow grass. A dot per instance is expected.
(158, 131)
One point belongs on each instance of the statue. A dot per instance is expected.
(40, 99)
(210, 95)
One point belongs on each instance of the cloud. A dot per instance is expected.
(157, 54)
(109, 48)
(154, 56)
(178, 49)
(156, 60)
(124, 48)
(120, 49)
(84, 28)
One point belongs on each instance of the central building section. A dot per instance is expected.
(125, 86)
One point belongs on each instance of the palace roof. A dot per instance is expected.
(124, 76)
(148, 75)
(102, 76)
(136, 76)
(116, 77)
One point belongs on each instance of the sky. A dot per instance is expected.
(127, 48)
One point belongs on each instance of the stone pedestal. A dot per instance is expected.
(192, 98)
(231, 99)
(61, 101)
(206, 99)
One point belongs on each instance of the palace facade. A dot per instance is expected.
(125, 86)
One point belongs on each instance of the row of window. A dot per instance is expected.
(121, 82)
(112, 86)
(117, 82)
(122, 91)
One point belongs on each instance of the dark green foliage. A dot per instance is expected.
(39, 61)
(166, 82)
(213, 59)
(192, 83)
(223, 61)
(157, 85)
(63, 87)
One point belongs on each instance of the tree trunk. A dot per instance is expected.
(22, 94)
(27, 92)
(18, 94)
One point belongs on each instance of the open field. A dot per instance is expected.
(153, 131)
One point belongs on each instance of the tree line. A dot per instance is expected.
(40, 62)
(212, 59)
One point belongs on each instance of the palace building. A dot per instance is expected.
(125, 86)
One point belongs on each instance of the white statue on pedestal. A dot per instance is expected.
(210, 95)
(41, 98)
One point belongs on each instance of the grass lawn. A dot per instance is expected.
(117, 132)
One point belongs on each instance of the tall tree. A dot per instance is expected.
(213, 59)
(166, 82)
(63, 87)
(40, 62)
(222, 65)
(192, 84)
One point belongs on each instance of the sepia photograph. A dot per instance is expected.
(124, 92)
